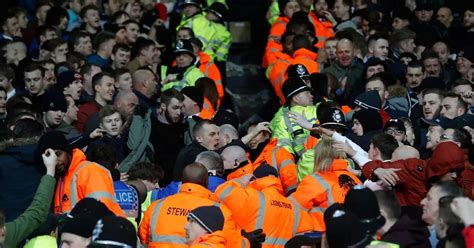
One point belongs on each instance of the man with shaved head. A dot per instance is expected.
(167, 217)
(145, 85)
(236, 163)
(405, 152)
(227, 133)
(348, 70)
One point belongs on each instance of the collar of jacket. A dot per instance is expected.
(303, 52)
(268, 183)
(213, 239)
(339, 165)
(198, 190)
(326, 23)
(241, 166)
(261, 149)
(204, 58)
(78, 157)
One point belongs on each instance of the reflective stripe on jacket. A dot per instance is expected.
(85, 179)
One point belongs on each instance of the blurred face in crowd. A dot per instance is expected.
(3, 102)
(320, 6)
(398, 134)
(424, 15)
(399, 23)
(128, 104)
(330, 47)
(41, 13)
(414, 76)
(432, 67)
(431, 105)
(288, 45)
(463, 65)
(121, 58)
(59, 53)
(112, 6)
(84, 46)
(291, 7)
(193, 231)
(443, 52)
(12, 28)
(112, 124)
(450, 108)
(105, 89)
(132, 30)
(258, 139)
(173, 111)
(136, 12)
(304, 98)
(340, 9)
(183, 34)
(69, 240)
(22, 20)
(49, 76)
(379, 87)
(208, 137)
(379, 49)
(190, 9)
(372, 70)
(357, 128)
(92, 18)
(52, 119)
(124, 82)
(74, 89)
(407, 45)
(64, 160)
(34, 82)
(430, 205)
(345, 52)
(148, 53)
(444, 16)
(71, 113)
(184, 60)
(433, 136)
(468, 20)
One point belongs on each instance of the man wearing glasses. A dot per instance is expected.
(396, 128)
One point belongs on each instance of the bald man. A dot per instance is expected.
(164, 221)
(145, 86)
(405, 152)
(227, 133)
(236, 163)
(445, 16)
(126, 101)
(348, 70)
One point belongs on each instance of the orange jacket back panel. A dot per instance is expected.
(164, 221)
(85, 179)
(318, 191)
(307, 58)
(210, 70)
(262, 205)
(323, 29)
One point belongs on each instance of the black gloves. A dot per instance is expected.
(256, 237)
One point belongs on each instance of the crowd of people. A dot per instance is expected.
(117, 127)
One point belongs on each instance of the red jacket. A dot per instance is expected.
(468, 233)
(85, 111)
(414, 173)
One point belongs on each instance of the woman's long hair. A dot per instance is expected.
(324, 155)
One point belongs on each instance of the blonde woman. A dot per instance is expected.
(328, 183)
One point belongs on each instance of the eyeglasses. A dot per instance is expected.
(394, 132)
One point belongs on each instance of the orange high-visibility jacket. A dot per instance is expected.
(262, 205)
(278, 29)
(85, 179)
(210, 70)
(323, 29)
(207, 111)
(241, 170)
(276, 73)
(319, 190)
(214, 240)
(307, 58)
(164, 221)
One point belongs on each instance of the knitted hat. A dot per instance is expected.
(91, 206)
(265, 170)
(209, 217)
(81, 225)
(343, 228)
(196, 3)
(363, 203)
(184, 46)
(396, 123)
(66, 78)
(331, 117)
(195, 94)
(54, 140)
(293, 86)
(369, 100)
(219, 9)
(114, 231)
(54, 100)
(298, 70)
(467, 53)
(369, 119)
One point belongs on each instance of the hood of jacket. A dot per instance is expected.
(22, 149)
(447, 157)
